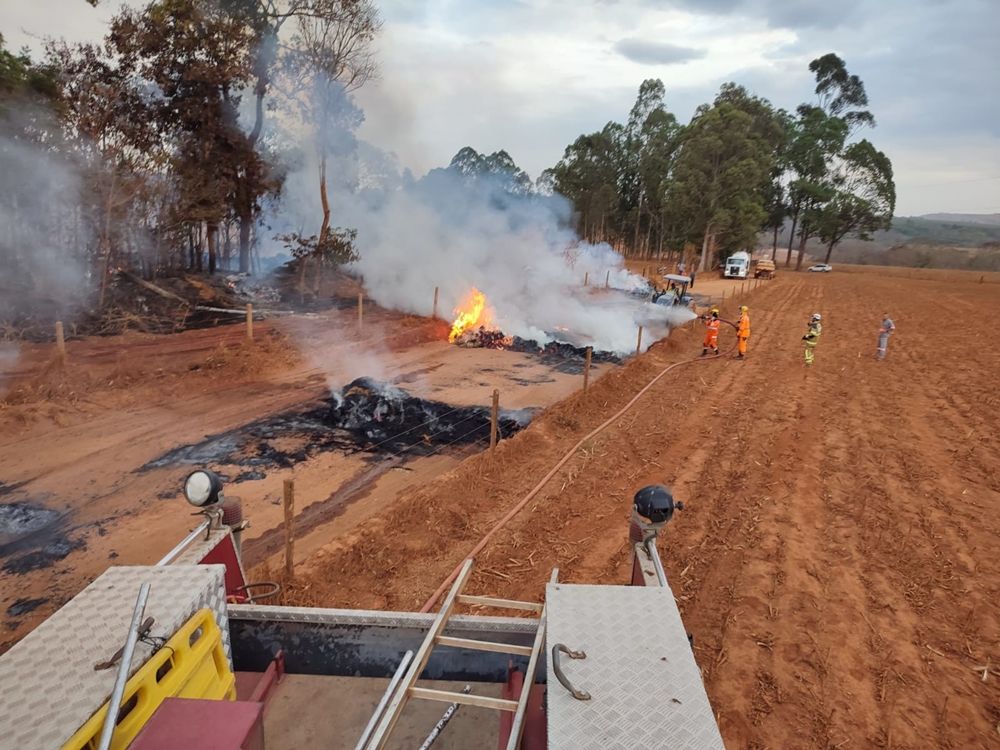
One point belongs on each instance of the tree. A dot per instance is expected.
(498, 167)
(588, 176)
(864, 197)
(821, 133)
(718, 177)
(840, 93)
(330, 56)
(199, 56)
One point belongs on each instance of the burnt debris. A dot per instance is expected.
(366, 416)
(559, 355)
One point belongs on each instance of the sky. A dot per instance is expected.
(529, 76)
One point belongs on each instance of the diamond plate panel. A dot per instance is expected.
(646, 689)
(48, 685)
(200, 547)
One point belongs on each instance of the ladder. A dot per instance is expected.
(407, 688)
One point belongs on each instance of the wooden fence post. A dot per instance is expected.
(638, 342)
(249, 322)
(60, 341)
(435, 303)
(289, 528)
(586, 368)
(607, 279)
(586, 277)
(494, 418)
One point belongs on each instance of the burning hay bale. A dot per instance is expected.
(482, 338)
(386, 415)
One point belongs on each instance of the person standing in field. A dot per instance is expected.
(887, 329)
(812, 337)
(711, 332)
(743, 331)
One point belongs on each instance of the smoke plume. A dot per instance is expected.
(455, 231)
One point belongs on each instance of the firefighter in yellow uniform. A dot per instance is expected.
(812, 336)
(743, 331)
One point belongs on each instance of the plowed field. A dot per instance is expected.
(838, 562)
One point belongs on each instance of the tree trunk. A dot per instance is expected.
(638, 221)
(198, 260)
(324, 229)
(212, 232)
(190, 248)
(227, 246)
(774, 247)
(791, 238)
(829, 251)
(105, 243)
(245, 224)
(802, 250)
(703, 266)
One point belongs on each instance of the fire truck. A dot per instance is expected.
(185, 653)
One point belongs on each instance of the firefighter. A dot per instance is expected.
(887, 329)
(712, 323)
(812, 336)
(743, 331)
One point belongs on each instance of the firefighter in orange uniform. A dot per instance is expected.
(743, 331)
(712, 332)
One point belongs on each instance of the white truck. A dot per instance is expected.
(737, 266)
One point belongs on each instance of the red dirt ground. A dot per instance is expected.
(837, 563)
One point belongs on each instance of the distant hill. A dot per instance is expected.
(991, 219)
(963, 230)
(943, 240)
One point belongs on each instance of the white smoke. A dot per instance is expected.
(42, 275)
(455, 232)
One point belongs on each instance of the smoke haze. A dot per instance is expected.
(455, 231)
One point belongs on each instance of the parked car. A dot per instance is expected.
(821, 268)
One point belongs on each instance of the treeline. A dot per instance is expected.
(740, 167)
(149, 150)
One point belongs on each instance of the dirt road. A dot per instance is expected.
(837, 563)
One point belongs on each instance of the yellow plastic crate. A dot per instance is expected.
(192, 664)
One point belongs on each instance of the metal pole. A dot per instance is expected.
(169, 557)
(654, 555)
(386, 697)
(443, 722)
(111, 719)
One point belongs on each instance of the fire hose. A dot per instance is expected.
(481, 544)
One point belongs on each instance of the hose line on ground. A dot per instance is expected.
(552, 472)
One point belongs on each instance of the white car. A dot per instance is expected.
(821, 268)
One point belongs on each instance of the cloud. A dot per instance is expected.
(656, 53)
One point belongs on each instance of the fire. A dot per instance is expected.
(472, 313)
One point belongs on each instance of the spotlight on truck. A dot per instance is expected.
(203, 488)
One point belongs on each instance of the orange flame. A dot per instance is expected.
(472, 313)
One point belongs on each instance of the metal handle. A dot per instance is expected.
(580, 695)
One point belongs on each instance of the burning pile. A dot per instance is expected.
(472, 316)
(391, 417)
